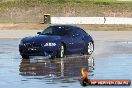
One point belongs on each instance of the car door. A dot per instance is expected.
(78, 42)
(74, 41)
(69, 41)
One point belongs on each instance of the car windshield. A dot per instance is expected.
(57, 30)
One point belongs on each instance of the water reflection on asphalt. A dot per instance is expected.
(65, 70)
(111, 60)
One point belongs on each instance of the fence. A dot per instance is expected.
(91, 20)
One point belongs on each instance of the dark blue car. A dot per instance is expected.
(57, 41)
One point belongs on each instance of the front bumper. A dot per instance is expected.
(38, 51)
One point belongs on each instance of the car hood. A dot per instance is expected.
(41, 38)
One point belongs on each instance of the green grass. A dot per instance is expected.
(33, 3)
(12, 10)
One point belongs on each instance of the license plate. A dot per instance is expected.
(32, 49)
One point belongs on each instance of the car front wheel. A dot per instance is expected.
(90, 48)
(61, 51)
(25, 57)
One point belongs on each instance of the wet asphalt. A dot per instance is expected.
(111, 60)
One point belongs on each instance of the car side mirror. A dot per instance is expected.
(38, 32)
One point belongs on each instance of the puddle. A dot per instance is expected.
(111, 60)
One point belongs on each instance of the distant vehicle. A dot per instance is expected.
(57, 41)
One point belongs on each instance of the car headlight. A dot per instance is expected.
(22, 43)
(50, 44)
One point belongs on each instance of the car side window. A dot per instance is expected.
(75, 32)
(68, 31)
(83, 32)
(78, 32)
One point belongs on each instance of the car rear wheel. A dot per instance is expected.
(61, 51)
(25, 57)
(90, 48)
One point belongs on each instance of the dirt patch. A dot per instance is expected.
(35, 13)
(39, 26)
(22, 26)
(107, 27)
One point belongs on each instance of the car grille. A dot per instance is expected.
(30, 45)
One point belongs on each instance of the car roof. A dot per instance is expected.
(71, 26)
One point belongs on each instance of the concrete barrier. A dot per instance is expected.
(91, 20)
